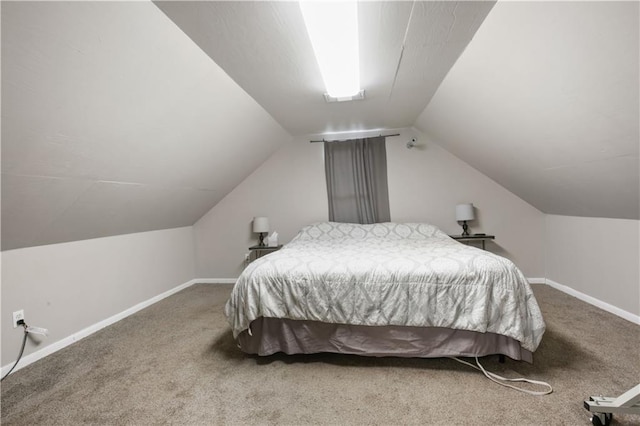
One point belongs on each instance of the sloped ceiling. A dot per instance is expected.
(545, 101)
(406, 49)
(123, 117)
(114, 121)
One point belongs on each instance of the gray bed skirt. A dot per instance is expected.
(271, 335)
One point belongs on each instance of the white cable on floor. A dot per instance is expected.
(495, 378)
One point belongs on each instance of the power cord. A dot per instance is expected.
(500, 380)
(24, 342)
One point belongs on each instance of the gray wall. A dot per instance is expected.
(70, 286)
(595, 256)
(425, 184)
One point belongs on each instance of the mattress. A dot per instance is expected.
(387, 274)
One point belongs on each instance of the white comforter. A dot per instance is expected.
(387, 274)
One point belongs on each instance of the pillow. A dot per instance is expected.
(388, 230)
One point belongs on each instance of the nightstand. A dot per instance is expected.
(261, 251)
(473, 237)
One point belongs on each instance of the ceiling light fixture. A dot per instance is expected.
(333, 30)
(357, 97)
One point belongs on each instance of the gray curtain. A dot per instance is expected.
(356, 174)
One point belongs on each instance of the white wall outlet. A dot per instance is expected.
(247, 256)
(17, 316)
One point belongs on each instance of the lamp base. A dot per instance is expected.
(465, 229)
(261, 242)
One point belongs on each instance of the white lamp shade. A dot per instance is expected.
(464, 212)
(260, 224)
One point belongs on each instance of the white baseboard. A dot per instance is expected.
(63, 343)
(214, 280)
(60, 344)
(595, 302)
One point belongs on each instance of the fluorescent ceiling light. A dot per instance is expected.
(333, 30)
(357, 97)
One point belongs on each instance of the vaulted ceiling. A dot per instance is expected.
(123, 117)
(114, 121)
(406, 49)
(545, 101)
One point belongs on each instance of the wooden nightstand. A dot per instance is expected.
(473, 237)
(256, 252)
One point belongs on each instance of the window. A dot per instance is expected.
(356, 173)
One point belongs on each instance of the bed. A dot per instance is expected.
(386, 289)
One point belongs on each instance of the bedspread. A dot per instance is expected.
(408, 274)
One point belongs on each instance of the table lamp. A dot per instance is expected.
(464, 212)
(261, 226)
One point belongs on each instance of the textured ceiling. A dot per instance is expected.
(114, 121)
(117, 119)
(545, 101)
(264, 47)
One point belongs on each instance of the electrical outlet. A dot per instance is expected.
(246, 257)
(17, 316)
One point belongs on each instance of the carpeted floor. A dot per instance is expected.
(176, 362)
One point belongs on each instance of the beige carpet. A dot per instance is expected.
(176, 363)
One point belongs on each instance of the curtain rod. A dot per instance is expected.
(353, 139)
